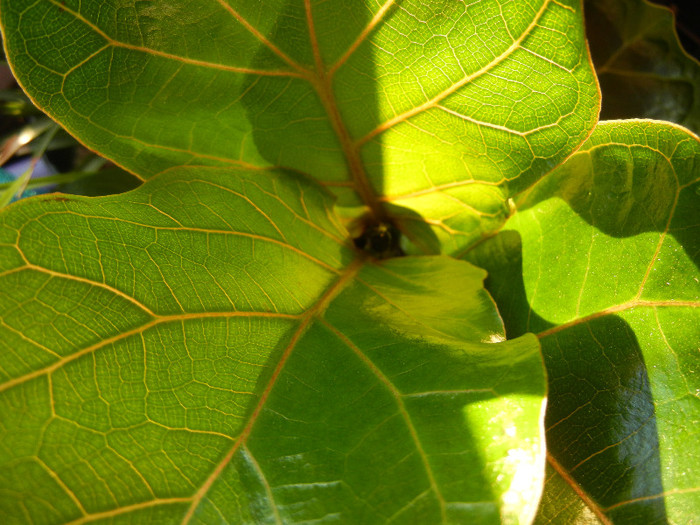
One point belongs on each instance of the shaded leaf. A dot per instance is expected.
(432, 112)
(562, 504)
(601, 261)
(209, 348)
(643, 70)
(107, 181)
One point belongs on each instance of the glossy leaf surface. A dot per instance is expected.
(642, 69)
(431, 112)
(601, 261)
(208, 348)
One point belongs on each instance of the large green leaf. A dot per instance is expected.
(433, 112)
(643, 70)
(207, 349)
(602, 262)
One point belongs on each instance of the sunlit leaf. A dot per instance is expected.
(431, 112)
(208, 348)
(215, 346)
(602, 262)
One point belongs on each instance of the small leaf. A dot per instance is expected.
(643, 70)
(210, 348)
(601, 261)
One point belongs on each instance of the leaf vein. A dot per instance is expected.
(306, 319)
(457, 85)
(402, 410)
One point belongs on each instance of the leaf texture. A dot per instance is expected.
(605, 250)
(562, 504)
(430, 112)
(207, 348)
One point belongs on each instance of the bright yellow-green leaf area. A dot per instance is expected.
(433, 111)
(209, 348)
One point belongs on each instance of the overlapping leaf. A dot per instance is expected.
(434, 111)
(643, 70)
(602, 262)
(208, 348)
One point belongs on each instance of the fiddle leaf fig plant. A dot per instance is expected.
(384, 266)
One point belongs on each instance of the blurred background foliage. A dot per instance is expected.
(39, 156)
(645, 68)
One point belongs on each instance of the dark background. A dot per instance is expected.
(687, 23)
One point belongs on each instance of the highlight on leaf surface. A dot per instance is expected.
(606, 248)
(433, 113)
(210, 347)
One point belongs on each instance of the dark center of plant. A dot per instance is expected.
(380, 239)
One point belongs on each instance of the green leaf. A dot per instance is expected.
(562, 504)
(207, 348)
(643, 70)
(602, 262)
(432, 113)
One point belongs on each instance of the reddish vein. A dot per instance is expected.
(126, 510)
(308, 317)
(134, 331)
(398, 396)
(257, 34)
(587, 500)
(433, 102)
(300, 70)
(664, 494)
(617, 308)
(362, 36)
(322, 82)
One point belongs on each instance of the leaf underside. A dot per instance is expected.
(211, 347)
(431, 112)
(208, 347)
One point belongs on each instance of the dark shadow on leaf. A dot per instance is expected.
(309, 125)
(683, 228)
(110, 181)
(501, 257)
(415, 230)
(627, 194)
(600, 421)
(642, 69)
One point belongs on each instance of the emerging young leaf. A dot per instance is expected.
(431, 112)
(602, 262)
(210, 348)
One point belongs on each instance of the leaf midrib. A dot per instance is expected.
(306, 319)
(583, 495)
(321, 79)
